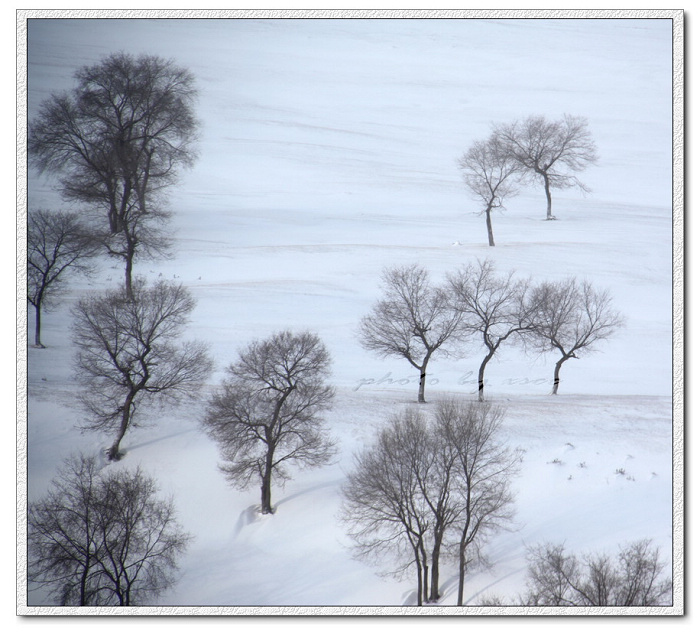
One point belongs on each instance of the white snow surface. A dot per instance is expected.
(328, 152)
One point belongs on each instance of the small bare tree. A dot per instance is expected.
(57, 244)
(267, 413)
(561, 579)
(129, 353)
(554, 151)
(483, 470)
(571, 317)
(116, 142)
(494, 308)
(413, 321)
(103, 538)
(490, 174)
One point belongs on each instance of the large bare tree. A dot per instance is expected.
(490, 173)
(116, 142)
(267, 414)
(57, 244)
(553, 151)
(103, 537)
(130, 353)
(495, 308)
(414, 320)
(571, 318)
(396, 501)
(484, 467)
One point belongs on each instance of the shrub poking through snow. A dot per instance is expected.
(636, 577)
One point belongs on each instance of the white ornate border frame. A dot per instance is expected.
(678, 566)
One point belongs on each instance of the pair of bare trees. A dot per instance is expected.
(427, 487)
(529, 150)
(418, 321)
(116, 142)
(103, 537)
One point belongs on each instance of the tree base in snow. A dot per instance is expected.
(114, 456)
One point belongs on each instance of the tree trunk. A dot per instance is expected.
(83, 581)
(113, 215)
(127, 277)
(482, 371)
(435, 575)
(419, 593)
(426, 571)
(37, 327)
(462, 571)
(421, 385)
(548, 193)
(423, 561)
(489, 228)
(129, 255)
(113, 453)
(557, 367)
(266, 487)
(438, 535)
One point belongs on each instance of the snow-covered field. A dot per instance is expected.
(328, 151)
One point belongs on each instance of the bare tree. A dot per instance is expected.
(561, 579)
(489, 172)
(494, 308)
(129, 353)
(413, 321)
(116, 142)
(397, 500)
(267, 413)
(103, 538)
(481, 476)
(554, 151)
(571, 317)
(57, 243)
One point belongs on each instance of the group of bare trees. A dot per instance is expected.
(526, 151)
(115, 143)
(417, 321)
(101, 536)
(427, 488)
